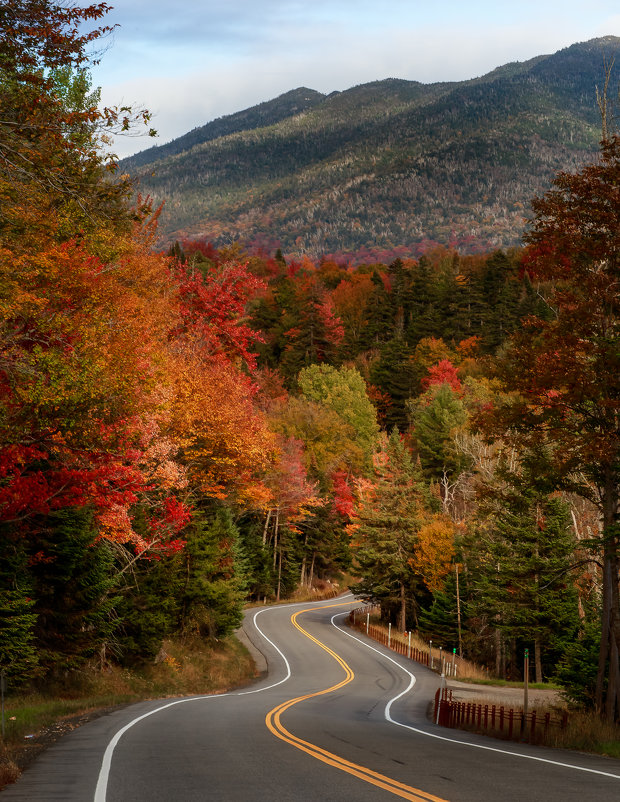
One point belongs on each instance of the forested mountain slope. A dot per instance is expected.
(384, 165)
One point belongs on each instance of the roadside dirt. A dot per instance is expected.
(17, 757)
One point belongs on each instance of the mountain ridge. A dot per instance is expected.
(386, 163)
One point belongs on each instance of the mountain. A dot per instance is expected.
(386, 164)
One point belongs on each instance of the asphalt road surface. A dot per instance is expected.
(336, 718)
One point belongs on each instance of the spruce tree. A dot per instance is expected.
(395, 374)
(18, 653)
(214, 590)
(386, 525)
(73, 589)
(521, 572)
(436, 417)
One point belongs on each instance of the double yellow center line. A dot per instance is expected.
(274, 724)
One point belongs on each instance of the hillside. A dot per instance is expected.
(385, 164)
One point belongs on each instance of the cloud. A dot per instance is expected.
(212, 59)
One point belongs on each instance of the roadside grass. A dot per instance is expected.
(185, 666)
(587, 732)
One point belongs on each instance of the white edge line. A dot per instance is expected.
(106, 763)
(389, 718)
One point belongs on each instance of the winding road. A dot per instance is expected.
(336, 718)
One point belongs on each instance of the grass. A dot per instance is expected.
(587, 732)
(191, 666)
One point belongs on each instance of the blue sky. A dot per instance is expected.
(191, 61)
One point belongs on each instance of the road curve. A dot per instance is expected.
(335, 718)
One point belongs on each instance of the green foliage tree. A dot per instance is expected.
(439, 620)
(344, 391)
(329, 441)
(379, 322)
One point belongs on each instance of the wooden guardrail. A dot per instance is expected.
(496, 720)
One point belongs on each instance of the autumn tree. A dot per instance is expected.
(565, 370)
(51, 128)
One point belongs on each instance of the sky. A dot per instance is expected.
(191, 61)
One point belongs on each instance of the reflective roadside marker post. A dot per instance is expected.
(409, 650)
(440, 660)
(367, 622)
(454, 662)
(389, 635)
(430, 654)
(441, 694)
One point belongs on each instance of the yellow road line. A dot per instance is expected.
(275, 726)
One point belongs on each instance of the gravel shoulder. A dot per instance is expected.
(498, 694)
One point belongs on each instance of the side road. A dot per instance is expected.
(499, 694)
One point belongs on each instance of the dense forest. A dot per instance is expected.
(183, 432)
(387, 168)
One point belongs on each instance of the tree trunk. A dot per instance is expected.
(402, 611)
(612, 683)
(279, 574)
(537, 660)
(304, 562)
(266, 526)
(498, 653)
(458, 610)
(607, 702)
(275, 538)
